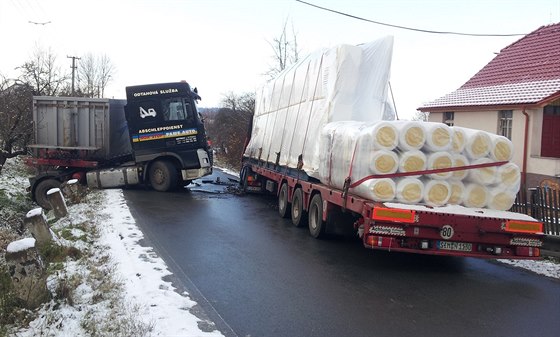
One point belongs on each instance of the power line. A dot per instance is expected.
(403, 27)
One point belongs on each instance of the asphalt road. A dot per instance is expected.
(255, 274)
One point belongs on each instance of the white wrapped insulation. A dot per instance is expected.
(438, 137)
(483, 175)
(478, 143)
(410, 190)
(440, 160)
(350, 149)
(459, 139)
(459, 160)
(502, 148)
(339, 84)
(436, 192)
(476, 195)
(411, 134)
(509, 176)
(412, 161)
(500, 198)
(457, 192)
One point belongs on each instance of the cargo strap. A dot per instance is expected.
(415, 173)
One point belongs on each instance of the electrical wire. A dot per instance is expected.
(403, 27)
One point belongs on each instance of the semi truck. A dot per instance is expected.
(155, 137)
(308, 107)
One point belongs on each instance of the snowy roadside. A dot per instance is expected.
(145, 303)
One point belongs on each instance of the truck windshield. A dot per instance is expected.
(176, 109)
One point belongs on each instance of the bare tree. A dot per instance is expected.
(94, 74)
(421, 116)
(42, 73)
(286, 51)
(228, 129)
(16, 128)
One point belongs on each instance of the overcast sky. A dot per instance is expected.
(221, 46)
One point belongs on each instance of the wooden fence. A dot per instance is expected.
(543, 204)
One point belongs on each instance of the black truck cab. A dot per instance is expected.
(164, 125)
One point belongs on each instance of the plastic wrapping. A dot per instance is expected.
(500, 198)
(457, 192)
(412, 135)
(477, 144)
(436, 192)
(502, 148)
(475, 196)
(412, 161)
(344, 83)
(440, 160)
(483, 175)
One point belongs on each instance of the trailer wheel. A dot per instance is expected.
(316, 222)
(298, 214)
(163, 176)
(40, 193)
(283, 205)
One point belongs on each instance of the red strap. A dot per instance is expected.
(405, 174)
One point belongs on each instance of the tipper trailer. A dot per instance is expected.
(452, 230)
(156, 136)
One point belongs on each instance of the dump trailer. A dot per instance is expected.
(325, 142)
(155, 137)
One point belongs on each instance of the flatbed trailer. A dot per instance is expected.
(450, 230)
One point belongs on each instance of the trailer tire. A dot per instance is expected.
(163, 176)
(283, 204)
(40, 193)
(297, 212)
(316, 222)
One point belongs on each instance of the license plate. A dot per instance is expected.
(458, 246)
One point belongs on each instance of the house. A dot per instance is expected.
(516, 95)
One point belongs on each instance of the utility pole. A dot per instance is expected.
(74, 67)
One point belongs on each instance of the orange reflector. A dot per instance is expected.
(394, 214)
(523, 226)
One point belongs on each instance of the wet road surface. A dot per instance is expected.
(258, 275)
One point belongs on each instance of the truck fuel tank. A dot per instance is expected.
(113, 177)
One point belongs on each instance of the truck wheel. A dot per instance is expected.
(298, 214)
(163, 176)
(283, 205)
(316, 222)
(40, 193)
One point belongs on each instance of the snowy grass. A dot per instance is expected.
(102, 281)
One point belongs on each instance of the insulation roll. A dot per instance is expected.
(436, 192)
(412, 161)
(458, 161)
(384, 162)
(509, 176)
(412, 135)
(457, 192)
(410, 190)
(476, 195)
(502, 148)
(440, 160)
(438, 137)
(383, 189)
(501, 198)
(458, 140)
(478, 143)
(381, 135)
(484, 175)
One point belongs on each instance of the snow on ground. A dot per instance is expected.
(544, 267)
(142, 272)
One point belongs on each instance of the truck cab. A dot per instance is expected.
(167, 133)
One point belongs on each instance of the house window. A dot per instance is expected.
(449, 118)
(550, 141)
(504, 123)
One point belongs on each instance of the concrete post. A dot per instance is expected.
(28, 272)
(36, 222)
(56, 199)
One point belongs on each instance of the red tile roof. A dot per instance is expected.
(525, 72)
